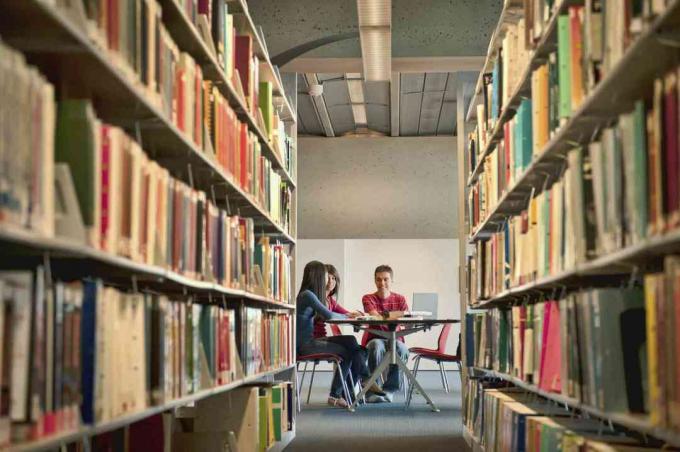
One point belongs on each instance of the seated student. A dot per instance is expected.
(312, 290)
(384, 303)
(333, 305)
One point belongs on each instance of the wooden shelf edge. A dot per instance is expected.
(88, 431)
(73, 249)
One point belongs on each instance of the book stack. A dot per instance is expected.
(639, 152)
(266, 341)
(70, 361)
(514, 420)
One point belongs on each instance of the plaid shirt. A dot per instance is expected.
(394, 302)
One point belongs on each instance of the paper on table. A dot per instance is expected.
(412, 314)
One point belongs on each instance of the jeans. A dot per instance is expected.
(348, 349)
(376, 351)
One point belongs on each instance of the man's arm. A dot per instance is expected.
(370, 307)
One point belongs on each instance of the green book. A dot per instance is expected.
(265, 97)
(564, 66)
(262, 421)
(277, 408)
(76, 145)
(188, 350)
(207, 337)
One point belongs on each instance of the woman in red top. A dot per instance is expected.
(331, 300)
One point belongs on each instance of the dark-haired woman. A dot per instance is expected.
(309, 305)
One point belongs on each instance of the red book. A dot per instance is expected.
(106, 184)
(551, 352)
(180, 77)
(244, 151)
(198, 107)
(177, 229)
(243, 57)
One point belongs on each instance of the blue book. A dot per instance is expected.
(88, 349)
(495, 89)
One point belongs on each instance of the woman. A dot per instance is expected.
(312, 290)
(331, 301)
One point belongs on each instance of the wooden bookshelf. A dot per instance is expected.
(55, 42)
(119, 100)
(472, 442)
(627, 81)
(614, 95)
(244, 24)
(93, 430)
(510, 13)
(543, 48)
(188, 39)
(635, 422)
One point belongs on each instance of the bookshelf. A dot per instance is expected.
(80, 65)
(633, 79)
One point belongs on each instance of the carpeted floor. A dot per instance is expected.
(382, 427)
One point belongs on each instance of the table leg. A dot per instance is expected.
(415, 383)
(372, 379)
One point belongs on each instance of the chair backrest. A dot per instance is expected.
(335, 330)
(443, 336)
(426, 302)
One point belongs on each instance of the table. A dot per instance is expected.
(412, 326)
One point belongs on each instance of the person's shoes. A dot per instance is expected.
(338, 402)
(376, 389)
(375, 398)
(389, 396)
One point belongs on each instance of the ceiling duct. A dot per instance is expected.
(375, 32)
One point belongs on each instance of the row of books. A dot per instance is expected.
(136, 38)
(626, 179)
(81, 351)
(507, 418)
(609, 348)
(107, 192)
(266, 340)
(591, 39)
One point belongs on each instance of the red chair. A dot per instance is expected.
(439, 356)
(335, 330)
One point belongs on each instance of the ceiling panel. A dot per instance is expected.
(307, 115)
(429, 112)
(342, 119)
(412, 83)
(409, 113)
(447, 119)
(377, 93)
(378, 117)
(450, 93)
(436, 81)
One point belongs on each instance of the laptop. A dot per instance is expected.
(425, 305)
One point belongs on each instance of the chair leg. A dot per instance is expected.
(441, 373)
(446, 378)
(297, 390)
(353, 387)
(415, 375)
(304, 374)
(311, 382)
(344, 385)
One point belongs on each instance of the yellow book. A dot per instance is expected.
(540, 108)
(651, 282)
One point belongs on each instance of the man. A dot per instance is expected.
(385, 304)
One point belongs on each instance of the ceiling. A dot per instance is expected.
(427, 105)
(431, 31)
(420, 28)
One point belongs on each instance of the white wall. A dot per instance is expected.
(359, 188)
(420, 265)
